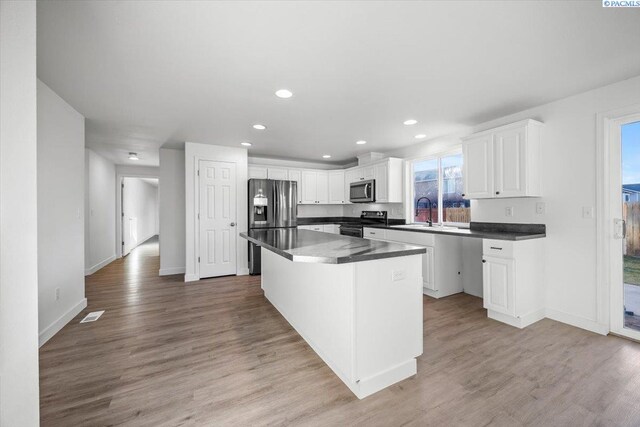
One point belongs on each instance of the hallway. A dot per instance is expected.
(215, 352)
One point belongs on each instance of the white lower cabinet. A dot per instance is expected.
(441, 264)
(497, 276)
(325, 228)
(512, 281)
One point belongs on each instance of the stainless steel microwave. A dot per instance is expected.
(362, 191)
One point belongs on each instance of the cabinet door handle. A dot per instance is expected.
(463, 194)
(484, 260)
(497, 192)
(496, 248)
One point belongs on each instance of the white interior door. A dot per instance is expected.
(624, 235)
(217, 218)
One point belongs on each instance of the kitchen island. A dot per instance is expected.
(356, 302)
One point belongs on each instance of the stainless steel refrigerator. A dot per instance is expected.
(272, 205)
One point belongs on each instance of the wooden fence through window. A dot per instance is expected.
(631, 215)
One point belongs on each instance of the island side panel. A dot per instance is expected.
(389, 319)
(317, 300)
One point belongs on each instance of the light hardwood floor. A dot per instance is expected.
(216, 353)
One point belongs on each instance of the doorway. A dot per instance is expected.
(624, 205)
(139, 212)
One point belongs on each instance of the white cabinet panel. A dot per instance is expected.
(336, 187)
(296, 175)
(499, 284)
(428, 269)
(510, 162)
(477, 175)
(381, 175)
(374, 233)
(278, 173)
(322, 189)
(257, 172)
(331, 228)
(309, 187)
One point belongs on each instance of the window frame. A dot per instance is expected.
(411, 193)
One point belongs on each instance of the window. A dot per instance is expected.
(437, 190)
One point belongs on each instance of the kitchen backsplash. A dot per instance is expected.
(395, 210)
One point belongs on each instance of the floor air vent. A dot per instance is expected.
(92, 317)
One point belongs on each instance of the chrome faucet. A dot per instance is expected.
(430, 222)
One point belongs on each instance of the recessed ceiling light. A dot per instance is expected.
(420, 136)
(133, 156)
(326, 156)
(259, 127)
(410, 122)
(284, 93)
(246, 144)
(361, 142)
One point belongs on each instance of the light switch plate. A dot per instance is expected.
(508, 211)
(540, 208)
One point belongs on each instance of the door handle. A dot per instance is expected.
(233, 224)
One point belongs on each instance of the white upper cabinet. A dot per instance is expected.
(477, 154)
(336, 187)
(381, 175)
(296, 175)
(278, 173)
(315, 187)
(322, 189)
(503, 162)
(309, 187)
(332, 186)
(257, 172)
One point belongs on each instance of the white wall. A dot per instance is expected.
(123, 171)
(171, 200)
(140, 211)
(101, 212)
(569, 184)
(19, 400)
(193, 153)
(60, 212)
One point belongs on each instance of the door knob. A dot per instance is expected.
(233, 224)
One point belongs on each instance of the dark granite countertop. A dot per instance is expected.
(480, 230)
(325, 248)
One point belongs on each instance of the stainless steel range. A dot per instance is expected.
(366, 218)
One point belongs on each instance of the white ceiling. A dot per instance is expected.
(147, 74)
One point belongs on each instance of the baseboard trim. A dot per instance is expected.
(242, 272)
(517, 322)
(577, 321)
(56, 326)
(98, 266)
(170, 271)
(191, 278)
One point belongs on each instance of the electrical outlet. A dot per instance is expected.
(57, 294)
(540, 208)
(508, 211)
(398, 275)
(587, 212)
